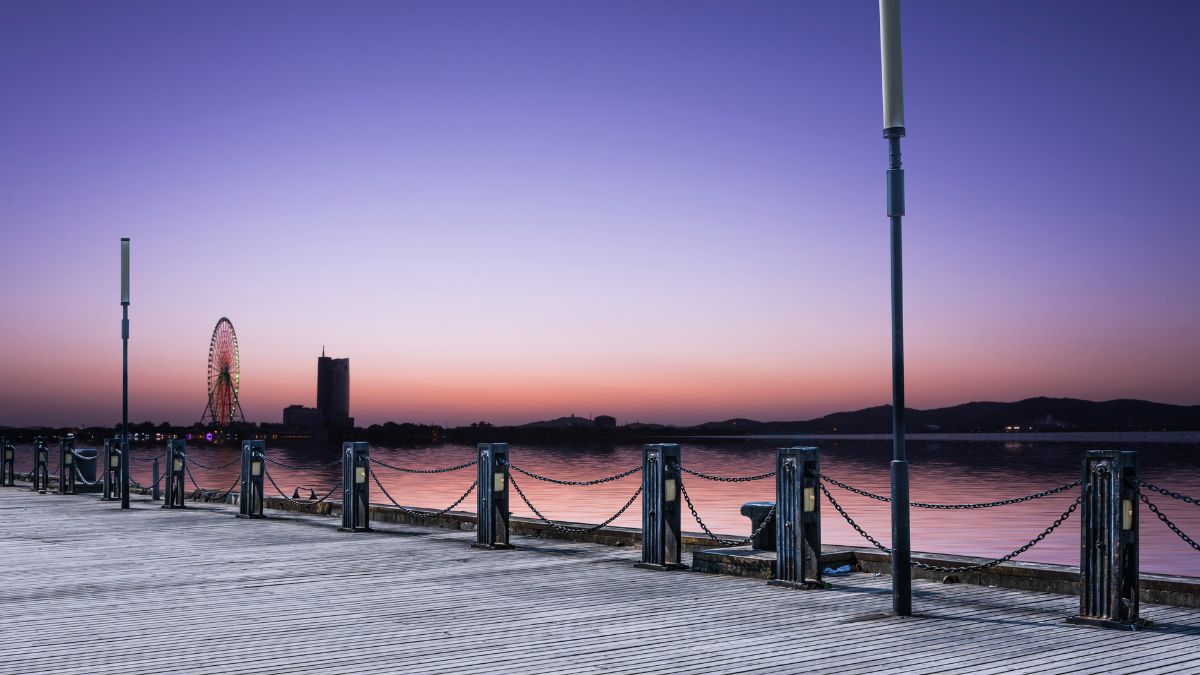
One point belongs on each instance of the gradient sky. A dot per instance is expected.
(668, 211)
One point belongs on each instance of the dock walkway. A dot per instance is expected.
(86, 587)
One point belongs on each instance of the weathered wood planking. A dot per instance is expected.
(85, 587)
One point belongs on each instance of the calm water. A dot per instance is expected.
(947, 469)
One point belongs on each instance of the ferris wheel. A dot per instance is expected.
(224, 377)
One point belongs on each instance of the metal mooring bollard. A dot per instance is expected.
(661, 530)
(41, 465)
(112, 470)
(8, 459)
(250, 502)
(66, 466)
(797, 518)
(491, 499)
(176, 465)
(356, 507)
(1108, 564)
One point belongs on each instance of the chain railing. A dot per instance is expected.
(153, 485)
(567, 528)
(296, 467)
(300, 502)
(1167, 521)
(216, 495)
(145, 459)
(577, 483)
(714, 537)
(727, 479)
(954, 507)
(414, 512)
(214, 468)
(88, 483)
(446, 469)
(1170, 493)
(959, 568)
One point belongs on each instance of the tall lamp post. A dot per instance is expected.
(893, 131)
(125, 372)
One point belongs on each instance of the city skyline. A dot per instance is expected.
(654, 211)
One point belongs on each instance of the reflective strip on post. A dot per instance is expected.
(356, 506)
(1108, 566)
(173, 490)
(661, 529)
(491, 499)
(797, 518)
(250, 501)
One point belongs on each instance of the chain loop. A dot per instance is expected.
(214, 468)
(290, 467)
(567, 528)
(144, 459)
(421, 514)
(954, 507)
(962, 568)
(297, 502)
(89, 483)
(724, 542)
(220, 497)
(447, 469)
(557, 481)
(725, 479)
(153, 485)
(1167, 521)
(1170, 493)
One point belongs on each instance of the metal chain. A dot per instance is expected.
(447, 469)
(557, 481)
(212, 494)
(724, 542)
(153, 485)
(953, 507)
(725, 479)
(1170, 493)
(283, 494)
(421, 514)
(188, 470)
(1167, 521)
(963, 568)
(567, 528)
(214, 468)
(89, 483)
(291, 467)
(144, 459)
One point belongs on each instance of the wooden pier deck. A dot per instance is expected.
(85, 587)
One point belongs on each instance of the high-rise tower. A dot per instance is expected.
(333, 391)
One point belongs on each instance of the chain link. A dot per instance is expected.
(954, 507)
(724, 542)
(291, 467)
(1170, 493)
(220, 497)
(214, 468)
(153, 485)
(89, 483)
(288, 499)
(143, 459)
(447, 469)
(1167, 521)
(963, 568)
(725, 479)
(557, 481)
(421, 514)
(188, 470)
(567, 528)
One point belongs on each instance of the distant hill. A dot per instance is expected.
(1032, 414)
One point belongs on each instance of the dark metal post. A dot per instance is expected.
(661, 530)
(797, 518)
(356, 505)
(176, 466)
(893, 130)
(112, 471)
(250, 501)
(491, 501)
(66, 466)
(1108, 562)
(41, 466)
(155, 481)
(125, 372)
(8, 463)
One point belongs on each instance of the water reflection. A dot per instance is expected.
(944, 470)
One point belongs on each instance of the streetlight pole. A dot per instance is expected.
(125, 372)
(893, 131)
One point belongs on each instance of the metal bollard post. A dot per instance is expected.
(176, 464)
(41, 465)
(661, 529)
(356, 506)
(112, 470)
(8, 472)
(491, 501)
(797, 518)
(66, 466)
(1108, 565)
(250, 501)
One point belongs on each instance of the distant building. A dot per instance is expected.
(333, 392)
(299, 417)
(604, 422)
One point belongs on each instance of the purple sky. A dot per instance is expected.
(666, 211)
